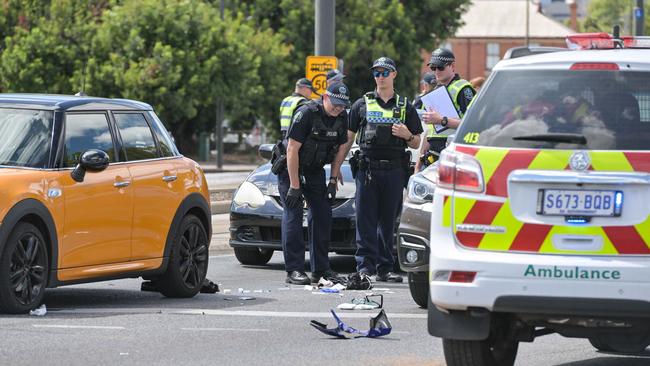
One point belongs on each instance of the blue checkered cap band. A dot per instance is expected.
(339, 98)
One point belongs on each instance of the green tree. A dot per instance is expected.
(602, 15)
(365, 30)
(180, 57)
(43, 56)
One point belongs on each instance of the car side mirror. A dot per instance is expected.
(265, 151)
(91, 160)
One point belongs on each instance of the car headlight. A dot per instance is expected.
(249, 195)
(420, 189)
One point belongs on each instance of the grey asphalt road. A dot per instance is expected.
(114, 323)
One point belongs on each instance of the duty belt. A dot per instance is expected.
(384, 164)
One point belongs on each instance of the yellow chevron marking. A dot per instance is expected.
(494, 241)
(490, 160)
(446, 212)
(610, 161)
(462, 206)
(644, 231)
(608, 247)
(551, 160)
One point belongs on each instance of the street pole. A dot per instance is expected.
(219, 111)
(324, 28)
(639, 18)
(527, 22)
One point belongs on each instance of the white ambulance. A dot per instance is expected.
(541, 214)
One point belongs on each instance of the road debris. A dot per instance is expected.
(379, 326)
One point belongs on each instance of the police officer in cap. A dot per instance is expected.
(385, 124)
(290, 104)
(443, 65)
(317, 131)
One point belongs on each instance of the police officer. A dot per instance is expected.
(290, 104)
(443, 64)
(427, 84)
(313, 139)
(386, 124)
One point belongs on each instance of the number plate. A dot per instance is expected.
(566, 202)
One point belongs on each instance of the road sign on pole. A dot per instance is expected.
(316, 71)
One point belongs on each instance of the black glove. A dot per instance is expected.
(331, 190)
(294, 198)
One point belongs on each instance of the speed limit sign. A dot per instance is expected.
(316, 71)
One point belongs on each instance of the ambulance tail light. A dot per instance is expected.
(454, 276)
(460, 172)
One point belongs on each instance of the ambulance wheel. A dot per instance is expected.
(488, 352)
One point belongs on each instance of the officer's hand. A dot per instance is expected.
(400, 130)
(294, 198)
(431, 117)
(331, 190)
(418, 165)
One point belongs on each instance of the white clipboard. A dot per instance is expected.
(440, 101)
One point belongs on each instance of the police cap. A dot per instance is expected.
(429, 78)
(305, 83)
(384, 62)
(441, 58)
(334, 75)
(339, 94)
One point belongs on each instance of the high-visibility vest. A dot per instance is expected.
(287, 107)
(376, 129)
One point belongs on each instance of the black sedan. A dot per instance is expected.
(256, 214)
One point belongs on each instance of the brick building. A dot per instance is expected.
(491, 27)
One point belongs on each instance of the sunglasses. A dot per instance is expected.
(377, 73)
(439, 68)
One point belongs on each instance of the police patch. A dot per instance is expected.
(342, 90)
(468, 93)
(297, 116)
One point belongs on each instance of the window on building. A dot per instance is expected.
(493, 55)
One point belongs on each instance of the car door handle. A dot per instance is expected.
(122, 184)
(169, 178)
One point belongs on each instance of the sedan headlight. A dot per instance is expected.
(249, 195)
(420, 189)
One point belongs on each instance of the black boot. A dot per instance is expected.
(297, 278)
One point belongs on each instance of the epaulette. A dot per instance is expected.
(312, 105)
(370, 95)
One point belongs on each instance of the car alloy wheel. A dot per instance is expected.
(194, 255)
(23, 277)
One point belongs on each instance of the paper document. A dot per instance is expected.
(439, 100)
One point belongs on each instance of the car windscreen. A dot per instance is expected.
(561, 109)
(25, 137)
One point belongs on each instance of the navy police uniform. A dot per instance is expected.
(381, 177)
(320, 135)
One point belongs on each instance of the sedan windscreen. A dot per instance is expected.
(26, 137)
(561, 109)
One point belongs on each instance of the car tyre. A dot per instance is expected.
(188, 261)
(253, 256)
(24, 267)
(622, 343)
(419, 287)
(480, 353)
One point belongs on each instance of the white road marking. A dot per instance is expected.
(245, 313)
(227, 329)
(75, 326)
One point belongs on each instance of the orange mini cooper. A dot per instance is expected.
(94, 189)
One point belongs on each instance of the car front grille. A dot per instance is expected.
(337, 202)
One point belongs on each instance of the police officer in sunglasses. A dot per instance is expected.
(443, 65)
(385, 124)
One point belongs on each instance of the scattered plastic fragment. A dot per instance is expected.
(325, 283)
(226, 291)
(40, 311)
(246, 298)
(339, 287)
(308, 287)
(329, 290)
(379, 326)
(363, 303)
